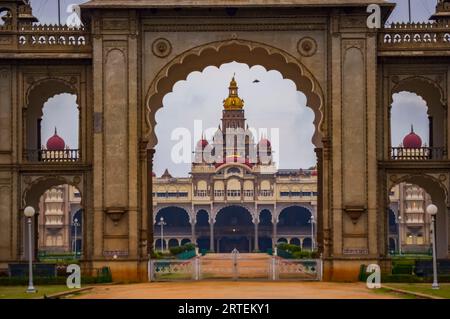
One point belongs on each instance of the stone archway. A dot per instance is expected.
(244, 51)
(439, 196)
(33, 190)
(435, 97)
(36, 96)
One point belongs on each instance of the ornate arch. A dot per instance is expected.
(187, 210)
(55, 86)
(283, 207)
(421, 85)
(219, 52)
(249, 208)
(418, 179)
(45, 183)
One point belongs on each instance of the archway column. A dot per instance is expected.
(211, 235)
(256, 235)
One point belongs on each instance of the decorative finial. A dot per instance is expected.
(412, 128)
(56, 132)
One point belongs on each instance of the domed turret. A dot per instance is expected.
(55, 143)
(202, 143)
(412, 140)
(264, 142)
(233, 101)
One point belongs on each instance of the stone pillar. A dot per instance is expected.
(211, 235)
(193, 239)
(274, 238)
(256, 235)
(150, 235)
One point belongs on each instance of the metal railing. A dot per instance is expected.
(417, 154)
(48, 156)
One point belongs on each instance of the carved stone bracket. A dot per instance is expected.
(355, 212)
(115, 213)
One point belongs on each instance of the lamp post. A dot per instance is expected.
(432, 210)
(399, 222)
(29, 213)
(162, 224)
(312, 222)
(75, 224)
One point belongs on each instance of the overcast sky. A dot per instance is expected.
(271, 103)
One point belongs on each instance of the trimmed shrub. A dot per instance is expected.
(181, 249)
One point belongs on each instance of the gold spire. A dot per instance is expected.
(233, 101)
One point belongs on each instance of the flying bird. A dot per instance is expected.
(256, 81)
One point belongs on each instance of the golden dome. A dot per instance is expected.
(233, 101)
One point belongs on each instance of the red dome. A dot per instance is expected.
(314, 173)
(412, 140)
(265, 142)
(55, 143)
(202, 143)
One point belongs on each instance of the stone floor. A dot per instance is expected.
(235, 290)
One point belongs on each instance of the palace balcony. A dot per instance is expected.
(46, 40)
(417, 154)
(411, 38)
(48, 156)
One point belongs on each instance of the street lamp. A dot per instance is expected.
(432, 210)
(399, 222)
(75, 224)
(162, 224)
(312, 221)
(29, 213)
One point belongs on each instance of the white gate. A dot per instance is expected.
(235, 266)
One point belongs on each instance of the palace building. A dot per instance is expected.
(127, 56)
(235, 200)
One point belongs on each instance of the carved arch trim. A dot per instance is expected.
(245, 51)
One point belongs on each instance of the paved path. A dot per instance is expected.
(235, 290)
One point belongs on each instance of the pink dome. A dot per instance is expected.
(56, 143)
(202, 143)
(264, 142)
(412, 140)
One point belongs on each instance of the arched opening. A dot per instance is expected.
(307, 243)
(295, 241)
(409, 198)
(160, 245)
(170, 222)
(250, 53)
(185, 241)
(173, 242)
(265, 231)
(52, 122)
(418, 120)
(233, 229)
(192, 65)
(202, 231)
(294, 221)
(282, 240)
(58, 225)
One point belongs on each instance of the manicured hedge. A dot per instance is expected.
(181, 249)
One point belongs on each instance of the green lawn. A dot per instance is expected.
(443, 292)
(19, 292)
(384, 291)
